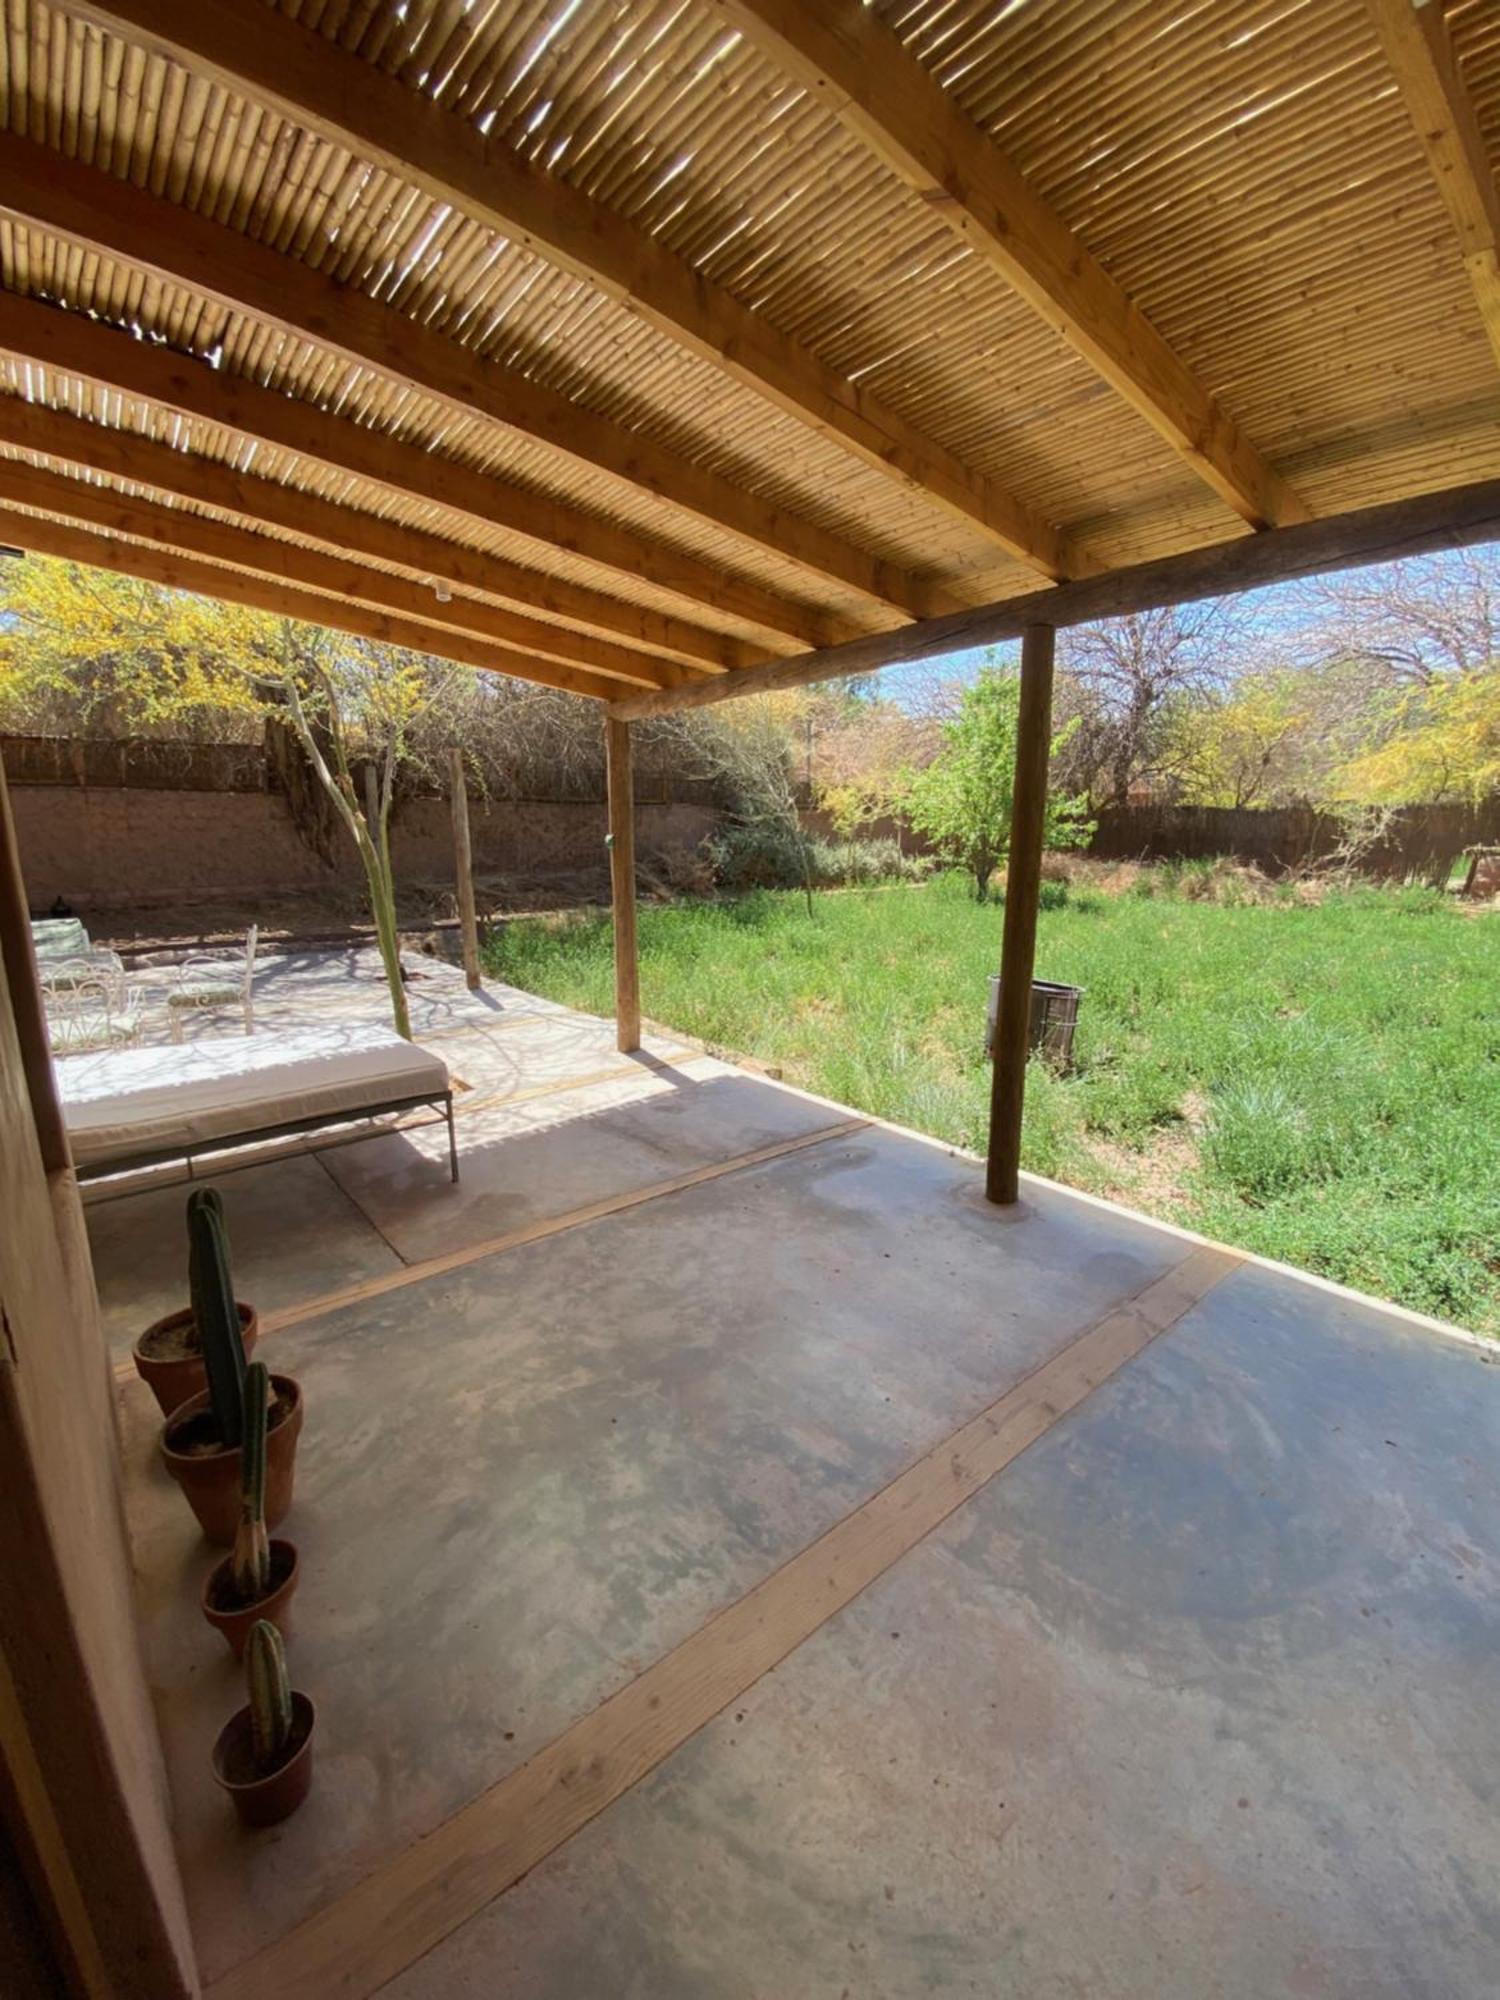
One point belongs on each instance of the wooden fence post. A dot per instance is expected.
(458, 793)
(617, 757)
(1023, 882)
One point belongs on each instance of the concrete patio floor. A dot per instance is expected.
(1195, 1695)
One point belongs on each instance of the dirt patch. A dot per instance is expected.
(198, 1436)
(177, 1340)
(337, 915)
(221, 1592)
(1159, 1176)
(240, 1767)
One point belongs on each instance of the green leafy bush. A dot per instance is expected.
(766, 856)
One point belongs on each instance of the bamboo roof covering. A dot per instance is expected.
(624, 344)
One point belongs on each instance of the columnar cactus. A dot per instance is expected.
(270, 1697)
(215, 1313)
(251, 1561)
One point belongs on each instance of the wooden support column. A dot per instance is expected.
(82, 1787)
(617, 752)
(463, 864)
(1023, 882)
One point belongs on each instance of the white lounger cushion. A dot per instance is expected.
(125, 1102)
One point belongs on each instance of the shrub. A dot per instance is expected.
(858, 861)
(772, 857)
(755, 857)
(1215, 879)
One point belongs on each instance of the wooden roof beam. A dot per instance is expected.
(41, 432)
(1417, 45)
(72, 343)
(115, 219)
(73, 544)
(845, 55)
(1458, 518)
(174, 529)
(247, 47)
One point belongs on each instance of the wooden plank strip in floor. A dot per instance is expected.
(313, 1145)
(408, 1906)
(534, 1232)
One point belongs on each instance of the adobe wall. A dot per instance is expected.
(116, 848)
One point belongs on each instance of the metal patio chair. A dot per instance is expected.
(206, 980)
(90, 1004)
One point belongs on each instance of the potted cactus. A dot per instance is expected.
(263, 1757)
(258, 1579)
(168, 1356)
(201, 1439)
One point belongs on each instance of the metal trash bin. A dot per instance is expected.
(1054, 1017)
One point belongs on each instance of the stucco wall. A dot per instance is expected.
(115, 848)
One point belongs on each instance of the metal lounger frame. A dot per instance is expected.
(157, 1155)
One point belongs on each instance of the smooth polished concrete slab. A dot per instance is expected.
(519, 1065)
(1196, 1698)
(292, 1229)
(510, 1182)
(1199, 1697)
(523, 1481)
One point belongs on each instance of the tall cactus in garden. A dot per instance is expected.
(251, 1561)
(270, 1696)
(215, 1313)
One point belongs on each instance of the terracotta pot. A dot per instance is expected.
(264, 1801)
(275, 1605)
(172, 1382)
(211, 1479)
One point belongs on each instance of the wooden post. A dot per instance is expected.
(1023, 882)
(463, 865)
(622, 883)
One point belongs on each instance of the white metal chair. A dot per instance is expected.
(90, 1004)
(91, 961)
(205, 981)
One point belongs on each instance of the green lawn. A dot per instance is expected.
(1317, 1082)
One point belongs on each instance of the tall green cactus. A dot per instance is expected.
(270, 1696)
(251, 1561)
(215, 1313)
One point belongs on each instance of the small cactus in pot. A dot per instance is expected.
(263, 1757)
(251, 1561)
(202, 1437)
(208, 1342)
(258, 1579)
(270, 1694)
(215, 1313)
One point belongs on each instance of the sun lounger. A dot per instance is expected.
(135, 1107)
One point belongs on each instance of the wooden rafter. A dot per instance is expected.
(34, 429)
(1418, 48)
(843, 53)
(71, 343)
(177, 246)
(1458, 518)
(245, 46)
(49, 537)
(180, 532)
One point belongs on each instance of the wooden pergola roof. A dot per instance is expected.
(628, 347)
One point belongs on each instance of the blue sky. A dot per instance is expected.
(1274, 612)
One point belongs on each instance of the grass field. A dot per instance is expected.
(1318, 1082)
